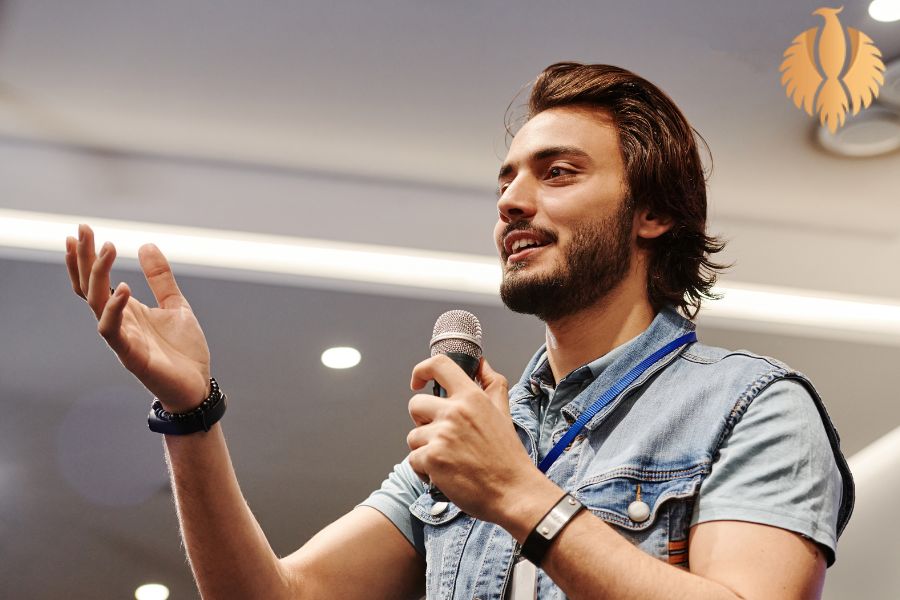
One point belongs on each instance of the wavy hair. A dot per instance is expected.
(663, 171)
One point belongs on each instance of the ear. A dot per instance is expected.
(650, 225)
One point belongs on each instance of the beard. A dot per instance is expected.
(596, 261)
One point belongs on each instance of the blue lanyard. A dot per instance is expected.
(610, 395)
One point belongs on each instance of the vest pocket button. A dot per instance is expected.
(638, 511)
(438, 508)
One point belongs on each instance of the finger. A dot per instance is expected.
(420, 436)
(72, 265)
(495, 385)
(417, 461)
(86, 257)
(160, 277)
(424, 408)
(98, 287)
(110, 323)
(442, 369)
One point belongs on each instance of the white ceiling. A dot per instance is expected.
(377, 122)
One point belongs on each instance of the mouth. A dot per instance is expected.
(519, 245)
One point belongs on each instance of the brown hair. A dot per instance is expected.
(662, 168)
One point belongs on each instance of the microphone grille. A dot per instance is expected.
(457, 331)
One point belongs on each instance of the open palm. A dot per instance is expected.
(163, 347)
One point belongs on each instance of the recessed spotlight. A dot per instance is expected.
(152, 591)
(341, 357)
(885, 11)
(890, 91)
(873, 132)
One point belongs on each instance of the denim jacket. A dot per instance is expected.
(664, 439)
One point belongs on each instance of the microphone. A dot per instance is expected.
(457, 333)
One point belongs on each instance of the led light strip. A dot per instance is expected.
(743, 306)
(261, 253)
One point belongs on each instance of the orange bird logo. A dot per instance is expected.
(803, 78)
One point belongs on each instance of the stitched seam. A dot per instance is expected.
(743, 402)
(644, 475)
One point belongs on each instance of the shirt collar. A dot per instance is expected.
(666, 326)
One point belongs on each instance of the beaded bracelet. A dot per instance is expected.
(201, 418)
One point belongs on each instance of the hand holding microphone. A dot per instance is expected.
(464, 442)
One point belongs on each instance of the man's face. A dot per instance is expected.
(564, 232)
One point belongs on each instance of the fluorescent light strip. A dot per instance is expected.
(870, 319)
(743, 305)
(262, 253)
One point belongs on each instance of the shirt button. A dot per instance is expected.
(638, 511)
(438, 507)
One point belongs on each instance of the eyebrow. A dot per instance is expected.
(545, 153)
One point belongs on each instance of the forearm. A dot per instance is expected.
(590, 560)
(228, 552)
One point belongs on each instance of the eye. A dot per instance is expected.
(557, 171)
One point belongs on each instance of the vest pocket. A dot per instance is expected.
(445, 530)
(651, 509)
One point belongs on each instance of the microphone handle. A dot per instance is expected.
(468, 364)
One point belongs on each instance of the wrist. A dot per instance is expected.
(187, 401)
(526, 504)
(201, 418)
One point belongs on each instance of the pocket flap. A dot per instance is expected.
(433, 512)
(608, 496)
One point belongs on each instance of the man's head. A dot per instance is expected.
(610, 159)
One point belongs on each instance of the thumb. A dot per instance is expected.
(495, 385)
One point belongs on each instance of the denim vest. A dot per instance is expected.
(664, 439)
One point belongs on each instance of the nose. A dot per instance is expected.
(518, 201)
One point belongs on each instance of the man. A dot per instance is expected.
(705, 473)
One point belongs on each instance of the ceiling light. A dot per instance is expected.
(803, 312)
(890, 91)
(152, 591)
(885, 11)
(261, 253)
(416, 273)
(873, 132)
(342, 357)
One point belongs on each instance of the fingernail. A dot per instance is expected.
(80, 233)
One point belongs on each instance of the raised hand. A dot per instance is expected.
(163, 347)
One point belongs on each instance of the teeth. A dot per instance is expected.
(519, 244)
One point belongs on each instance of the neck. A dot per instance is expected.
(577, 339)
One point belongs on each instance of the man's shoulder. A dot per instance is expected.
(702, 354)
(743, 371)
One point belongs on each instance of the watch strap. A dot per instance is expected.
(538, 541)
(202, 418)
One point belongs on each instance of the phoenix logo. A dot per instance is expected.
(803, 78)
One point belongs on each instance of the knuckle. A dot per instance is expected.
(460, 412)
(156, 271)
(443, 359)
